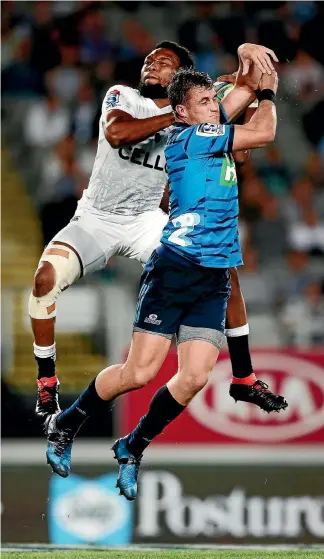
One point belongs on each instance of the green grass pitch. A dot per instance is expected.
(167, 554)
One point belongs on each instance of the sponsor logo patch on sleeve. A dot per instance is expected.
(112, 98)
(208, 129)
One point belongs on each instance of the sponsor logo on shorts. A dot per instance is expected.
(152, 319)
(208, 129)
(112, 98)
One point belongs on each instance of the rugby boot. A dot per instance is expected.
(59, 446)
(259, 394)
(128, 469)
(47, 397)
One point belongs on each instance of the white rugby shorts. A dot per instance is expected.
(96, 238)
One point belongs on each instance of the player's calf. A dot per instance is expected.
(58, 268)
(196, 360)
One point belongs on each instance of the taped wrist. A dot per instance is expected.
(266, 95)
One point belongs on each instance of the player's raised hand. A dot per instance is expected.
(259, 55)
(251, 79)
(269, 81)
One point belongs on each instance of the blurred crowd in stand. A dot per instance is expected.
(58, 60)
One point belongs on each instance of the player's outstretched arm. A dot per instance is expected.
(223, 89)
(122, 129)
(261, 129)
(241, 157)
(243, 92)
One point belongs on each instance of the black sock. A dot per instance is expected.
(88, 403)
(46, 367)
(163, 409)
(240, 356)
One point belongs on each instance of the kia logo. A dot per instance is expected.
(299, 380)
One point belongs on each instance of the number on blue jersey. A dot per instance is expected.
(186, 224)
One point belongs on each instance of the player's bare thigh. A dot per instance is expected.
(89, 238)
(146, 356)
(83, 246)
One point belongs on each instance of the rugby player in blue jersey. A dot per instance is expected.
(185, 284)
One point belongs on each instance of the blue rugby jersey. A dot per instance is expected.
(203, 220)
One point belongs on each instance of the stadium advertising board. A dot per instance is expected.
(88, 510)
(176, 504)
(214, 417)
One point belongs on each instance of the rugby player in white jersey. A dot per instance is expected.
(119, 214)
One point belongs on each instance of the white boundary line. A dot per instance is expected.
(86, 452)
(144, 547)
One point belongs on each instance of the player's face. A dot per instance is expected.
(158, 67)
(201, 106)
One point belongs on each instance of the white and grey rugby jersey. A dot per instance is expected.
(131, 179)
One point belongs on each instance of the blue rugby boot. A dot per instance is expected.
(59, 447)
(128, 469)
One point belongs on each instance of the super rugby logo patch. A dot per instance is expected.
(208, 129)
(152, 319)
(112, 98)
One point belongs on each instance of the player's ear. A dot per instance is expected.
(180, 109)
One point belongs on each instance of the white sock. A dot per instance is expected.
(236, 332)
(45, 351)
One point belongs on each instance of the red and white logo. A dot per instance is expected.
(214, 417)
(300, 381)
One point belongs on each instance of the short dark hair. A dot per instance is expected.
(184, 80)
(184, 55)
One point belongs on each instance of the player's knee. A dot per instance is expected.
(195, 380)
(44, 279)
(57, 270)
(141, 366)
(198, 382)
(142, 376)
